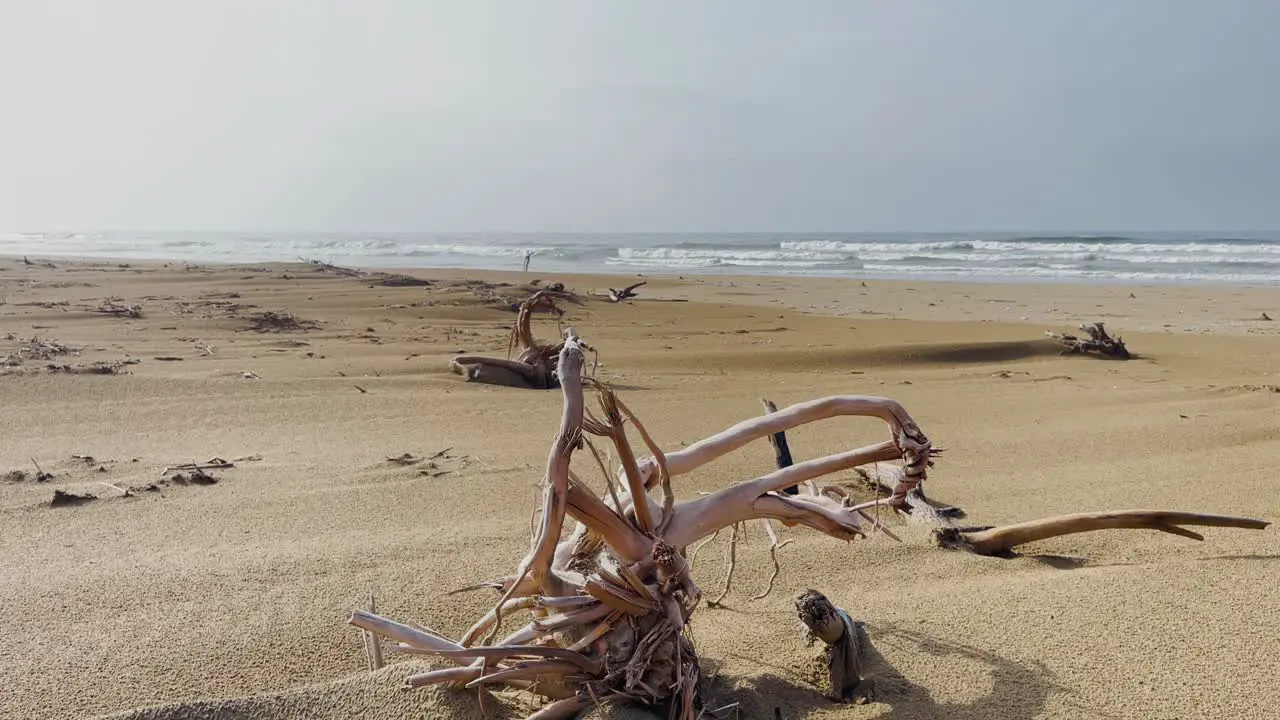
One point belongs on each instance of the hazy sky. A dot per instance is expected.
(602, 115)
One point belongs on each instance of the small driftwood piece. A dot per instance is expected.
(1000, 541)
(399, 280)
(330, 267)
(625, 293)
(534, 366)
(118, 310)
(846, 645)
(1098, 342)
(214, 464)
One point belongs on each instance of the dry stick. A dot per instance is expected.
(668, 497)
(373, 644)
(781, 450)
(731, 560)
(608, 479)
(694, 554)
(774, 547)
(635, 483)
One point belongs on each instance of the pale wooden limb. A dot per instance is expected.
(905, 431)
(1000, 540)
(410, 636)
(698, 518)
(373, 643)
(537, 565)
(664, 477)
(565, 709)
(615, 430)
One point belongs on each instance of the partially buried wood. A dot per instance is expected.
(1000, 541)
(1098, 342)
(781, 450)
(534, 365)
(846, 643)
(65, 498)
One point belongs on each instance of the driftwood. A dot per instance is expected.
(610, 603)
(534, 365)
(323, 266)
(117, 310)
(625, 293)
(1098, 342)
(846, 641)
(999, 541)
(605, 605)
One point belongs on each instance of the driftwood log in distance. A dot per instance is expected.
(1000, 541)
(625, 293)
(846, 645)
(1098, 342)
(605, 605)
(534, 364)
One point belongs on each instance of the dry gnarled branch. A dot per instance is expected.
(534, 365)
(1098, 342)
(608, 606)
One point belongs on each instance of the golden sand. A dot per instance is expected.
(230, 600)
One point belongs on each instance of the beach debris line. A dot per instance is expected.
(534, 366)
(611, 602)
(1098, 342)
(625, 293)
(846, 644)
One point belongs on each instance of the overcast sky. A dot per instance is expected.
(639, 115)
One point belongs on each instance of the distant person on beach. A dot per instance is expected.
(528, 255)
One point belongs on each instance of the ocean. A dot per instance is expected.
(1215, 258)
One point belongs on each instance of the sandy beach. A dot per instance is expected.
(229, 599)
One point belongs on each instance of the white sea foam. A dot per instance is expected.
(1163, 258)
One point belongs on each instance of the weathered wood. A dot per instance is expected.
(845, 642)
(1001, 540)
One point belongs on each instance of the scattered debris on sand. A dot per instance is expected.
(118, 310)
(272, 321)
(66, 498)
(1098, 342)
(322, 266)
(398, 280)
